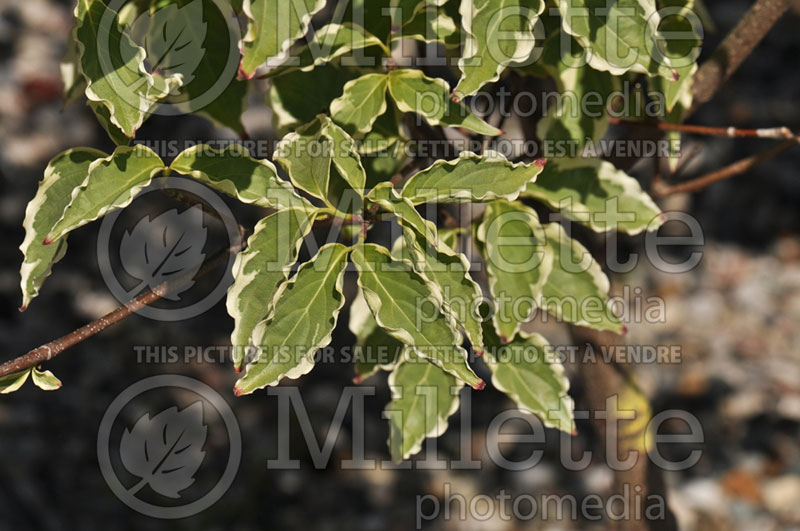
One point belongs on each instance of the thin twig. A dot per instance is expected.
(737, 168)
(737, 46)
(780, 133)
(54, 348)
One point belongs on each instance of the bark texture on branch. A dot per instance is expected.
(737, 46)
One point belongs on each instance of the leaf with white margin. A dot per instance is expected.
(346, 159)
(272, 27)
(12, 382)
(171, 46)
(112, 184)
(296, 98)
(321, 159)
(71, 77)
(45, 380)
(529, 372)
(388, 199)
(234, 172)
(115, 73)
(619, 37)
(306, 155)
(471, 177)
(214, 91)
(576, 290)
(429, 97)
(304, 315)
(363, 100)
(375, 349)
(260, 269)
(449, 270)
(423, 398)
(498, 33)
(397, 295)
(682, 52)
(64, 173)
(329, 43)
(594, 193)
(573, 119)
(430, 26)
(518, 263)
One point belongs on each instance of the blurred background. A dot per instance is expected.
(734, 318)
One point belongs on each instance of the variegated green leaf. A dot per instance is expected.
(620, 37)
(571, 119)
(331, 42)
(321, 159)
(234, 172)
(375, 349)
(528, 371)
(112, 65)
(683, 52)
(296, 98)
(272, 27)
(361, 103)
(260, 269)
(423, 398)
(387, 198)
(304, 315)
(112, 184)
(518, 262)
(63, 174)
(498, 33)
(346, 160)
(470, 177)
(449, 271)
(596, 194)
(430, 25)
(399, 298)
(415, 92)
(211, 89)
(576, 290)
(45, 380)
(12, 382)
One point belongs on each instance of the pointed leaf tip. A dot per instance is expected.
(541, 162)
(479, 386)
(47, 240)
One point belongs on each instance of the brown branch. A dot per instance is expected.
(736, 47)
(54, 348)
(781, 133)
(737, 168)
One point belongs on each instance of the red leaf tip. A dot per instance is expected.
(480, 386)
(23, 307)
(540, 162)
(624, 331)
(237, 391)
(479, 352)
(358, 378)
(47, 240)
(676, 76)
